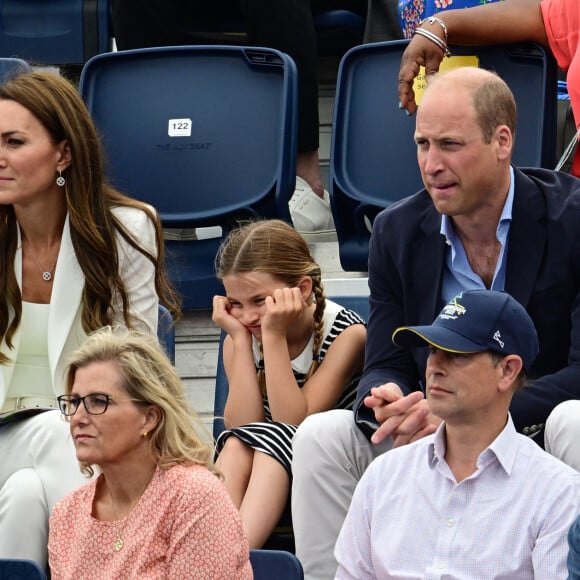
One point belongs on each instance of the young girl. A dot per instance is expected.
(289, 353)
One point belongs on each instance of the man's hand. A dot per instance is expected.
(404, 418)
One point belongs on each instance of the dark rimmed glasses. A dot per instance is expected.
(95, 404)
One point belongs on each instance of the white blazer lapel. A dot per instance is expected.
(65, 301)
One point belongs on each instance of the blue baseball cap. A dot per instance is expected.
(477, 321)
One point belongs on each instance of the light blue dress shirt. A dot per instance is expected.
(458, 275)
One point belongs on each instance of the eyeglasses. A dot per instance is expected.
(95, 404)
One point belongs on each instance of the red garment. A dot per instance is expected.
(562, 23)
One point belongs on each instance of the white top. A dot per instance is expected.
(410, 519)
(31, 375)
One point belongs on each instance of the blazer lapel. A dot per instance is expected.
(427, 268)
(66, 298)
(527, 239)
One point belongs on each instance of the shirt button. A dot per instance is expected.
(450, 523)
(441, 566)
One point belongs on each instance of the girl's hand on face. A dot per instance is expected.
(283, 308)
(222, 316)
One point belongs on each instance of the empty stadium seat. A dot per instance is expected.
(20, 570)
(205, 134)
(275, 565)
(166, 332)
(54, 32)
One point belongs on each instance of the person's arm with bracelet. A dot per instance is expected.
(497, 23)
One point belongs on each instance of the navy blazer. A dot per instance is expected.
(406, 261)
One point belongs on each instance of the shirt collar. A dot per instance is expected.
(448, 230)
(503, 448)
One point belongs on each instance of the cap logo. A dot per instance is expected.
(497, 338)
(452, 310)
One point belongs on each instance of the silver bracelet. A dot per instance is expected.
(433, 20)
(433, 38)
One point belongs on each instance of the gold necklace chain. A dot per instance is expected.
(46, 274)
(118, 544)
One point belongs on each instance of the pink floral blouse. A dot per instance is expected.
(184, 526)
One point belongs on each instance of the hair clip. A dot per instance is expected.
(261, 364)
(316, 357)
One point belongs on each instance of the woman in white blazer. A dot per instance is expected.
(75, 255)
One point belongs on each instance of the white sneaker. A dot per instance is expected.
(311, 214)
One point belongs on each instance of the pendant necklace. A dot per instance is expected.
(46, 274)
(118, 544)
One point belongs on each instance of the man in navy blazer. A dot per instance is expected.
(479, 223)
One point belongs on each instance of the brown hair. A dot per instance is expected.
(180, 437)
(275, 248)
(56, 104)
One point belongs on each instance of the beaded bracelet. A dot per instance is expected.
(433, 38)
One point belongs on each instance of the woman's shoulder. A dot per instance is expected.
(133, 215)
(74, 500)
(189, 478)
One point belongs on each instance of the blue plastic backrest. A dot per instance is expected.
(205, 134)
(166, 332)
(10, 67)
(373, 155)
(275, 565)
(200, 132)
(360, 304)
(57, 32)
(20, 570)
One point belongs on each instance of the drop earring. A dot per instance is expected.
(60, 180)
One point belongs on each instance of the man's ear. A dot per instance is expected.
(510, 367)
(505, 141)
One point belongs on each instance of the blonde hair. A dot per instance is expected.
(149, 377)
(275, 248)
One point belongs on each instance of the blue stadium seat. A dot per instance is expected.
(275, 565)
(54, 32)
(338, 25)
(13, 67)
(166, 332)
(20, 570)
(205, 134)
(337, 31)
(373, 155)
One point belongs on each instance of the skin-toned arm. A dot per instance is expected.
(244, 403)
(289, 403)
(497, 23)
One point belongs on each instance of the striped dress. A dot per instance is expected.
(273, 437)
